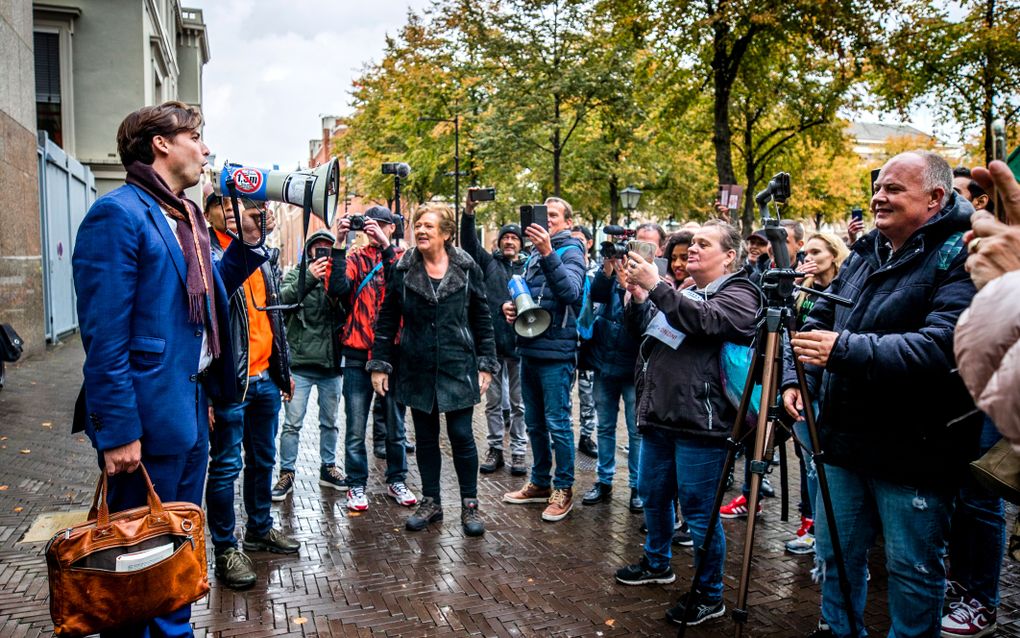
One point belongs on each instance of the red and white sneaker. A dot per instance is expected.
(402, 494)
(968, 618)
(357, 500)
(737, 508)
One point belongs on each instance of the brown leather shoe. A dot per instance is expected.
(530, 493)
(560, 504)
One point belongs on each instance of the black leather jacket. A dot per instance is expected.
(279, 361)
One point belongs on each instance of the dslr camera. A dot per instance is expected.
(616, 247)
(400, 169)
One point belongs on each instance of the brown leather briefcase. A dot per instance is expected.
(119, 570)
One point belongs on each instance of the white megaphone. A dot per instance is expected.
(532, 320)
(314, 189)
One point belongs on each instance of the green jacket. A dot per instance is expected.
(313, 329)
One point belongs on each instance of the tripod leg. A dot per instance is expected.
(823, 491)
(737, 434)
(758, 465)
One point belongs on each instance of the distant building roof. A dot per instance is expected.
(878, 132)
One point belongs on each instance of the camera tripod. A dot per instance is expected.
(779, 317)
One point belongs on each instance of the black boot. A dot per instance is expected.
(469, 518)
(587, 447)
(599, 492)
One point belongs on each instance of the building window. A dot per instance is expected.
(47, 86)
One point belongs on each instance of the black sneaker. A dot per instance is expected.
(379, 452)
(588, 447)
(518, 466)
(330, 476)
(682, 536)
(493, 461)
(234, 569)
(640, 574)
(598, 493)
(823, 631)
(636, 504)
(469, 518)
(283, 487)
(429, 511)
(697, 613)
(274, 542)
(408, 447)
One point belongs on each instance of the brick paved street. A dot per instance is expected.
(363, 575)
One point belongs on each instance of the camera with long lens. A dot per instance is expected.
(400, 169)
(617, 247)
(357, 222)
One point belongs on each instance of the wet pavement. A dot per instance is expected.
(363, 575)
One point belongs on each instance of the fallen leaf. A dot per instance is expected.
(26, 451)
(18, 509)
(300, 620)
(81, 439)
(531, 580)
(47, 424)
(3, 438)
(610, 622)
(3, 488)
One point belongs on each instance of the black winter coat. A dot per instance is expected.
(891, 404)
(446, 336)
(279, 360)
(613, 349)
(557, 284)
(681, 390)
(497, 270)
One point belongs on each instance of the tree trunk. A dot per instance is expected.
(722, 87)
(614, 197)
(988, 82)
(557, 150)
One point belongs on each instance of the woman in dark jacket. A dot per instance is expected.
(683, 413)
(445, 358)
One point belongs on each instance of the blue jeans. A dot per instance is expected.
(178, 477)
(978, 534)
(357, 405)
(608, 391)
(252, 423)
(690, 468)
(914, 523)
(545, 387)
(329, 400)
(808, 472)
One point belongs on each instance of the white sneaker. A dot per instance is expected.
(357, 501)
(402, 494)
(968, 618)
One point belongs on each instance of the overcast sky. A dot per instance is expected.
(276, 67)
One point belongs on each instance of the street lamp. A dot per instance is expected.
(629, 198)
(456, 165)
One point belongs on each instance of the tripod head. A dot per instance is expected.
(778, 282)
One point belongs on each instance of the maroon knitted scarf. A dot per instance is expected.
(194, 239)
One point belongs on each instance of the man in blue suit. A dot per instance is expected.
(152, 307)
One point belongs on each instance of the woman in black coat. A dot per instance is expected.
(444, 360)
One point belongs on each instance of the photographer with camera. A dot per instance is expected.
(555, 275)
(250, 420)
(358, 279)
(313, 332)
(683, 412)
(498, 267)
(895, 422)
(613, 352)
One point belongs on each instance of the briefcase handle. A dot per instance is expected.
(100, 511)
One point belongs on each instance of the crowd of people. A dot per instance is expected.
(194, 341)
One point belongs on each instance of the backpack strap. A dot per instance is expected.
(368, 278)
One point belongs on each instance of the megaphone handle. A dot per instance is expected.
(237, 219)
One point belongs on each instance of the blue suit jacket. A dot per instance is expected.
(141, 352)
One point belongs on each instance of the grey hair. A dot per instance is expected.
(729, 239)
(936, 174)
(794, 227)
(568, 210)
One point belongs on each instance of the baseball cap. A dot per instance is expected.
(380, 214)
